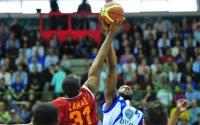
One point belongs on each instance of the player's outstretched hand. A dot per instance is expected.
(115, 26)
(182, 105)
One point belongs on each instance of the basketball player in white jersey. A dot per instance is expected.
(117, 109)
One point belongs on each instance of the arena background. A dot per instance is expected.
(158, 50)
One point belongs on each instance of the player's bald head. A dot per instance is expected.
(71, 85)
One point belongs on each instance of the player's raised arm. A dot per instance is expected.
(94, 73)
(111, 90)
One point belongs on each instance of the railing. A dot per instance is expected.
(74, 25)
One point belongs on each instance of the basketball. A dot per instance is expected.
(111, 12)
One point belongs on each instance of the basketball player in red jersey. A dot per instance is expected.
(78, 107)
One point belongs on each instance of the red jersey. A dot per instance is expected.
(79, 110)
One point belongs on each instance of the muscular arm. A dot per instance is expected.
(94, 73)
(111, 91)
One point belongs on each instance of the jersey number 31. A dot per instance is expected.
(77, 116)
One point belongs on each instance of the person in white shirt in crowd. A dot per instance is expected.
(51, 58)
(34, 64)
(5, 74)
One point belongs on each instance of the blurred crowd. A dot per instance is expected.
(158, 59)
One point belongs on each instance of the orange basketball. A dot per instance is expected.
(110, 12)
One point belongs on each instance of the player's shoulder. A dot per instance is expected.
(59, 100)
(86, 90)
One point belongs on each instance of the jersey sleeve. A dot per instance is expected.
(88, 90)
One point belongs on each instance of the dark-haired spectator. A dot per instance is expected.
(196, 65)
(178, 93)
(159, 27)
(4, 73)
(34, 64)
(127, 54)
(93, 54)
(174, 74)
(149, 32)
(51, 58)
(45, 114)
(57, 80)
(165, 95)
(22, 74)
(191, 94)
(176, 48)
(194, 112)
(38, 50)
(17, 88)
(65, 63)
(189, 80)
(128, 68)
(12, 42)
(185, 29)
(163, 43)
(197, 34)
(27, 50)
(84, 7)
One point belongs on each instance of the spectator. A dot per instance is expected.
(189, 80)
(15, 118)
(137, 47)
(165, 95)
(154, 65)
(194, 112)
(21, 59)
(38, 50)
(185, 30)
(191, 94)
(196, 65)
(174, 74)
(128, 69)
(197, 35)
(163, 43)
(178, 94)
(149, 32)
(12, 42)
(183, 118)
(159, 27)
(167, 56)
(189, 41)
(51, 58)
(57, 81)
(4, 114)
(17, 88)
(190, 49)
(127, 54)
(22, 74)
(93, 54)
(5, 74)
(156, 77)
(34, 64)
(3, 89)
(84, 7)
(65, 63)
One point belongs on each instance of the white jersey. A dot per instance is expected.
(121, 113)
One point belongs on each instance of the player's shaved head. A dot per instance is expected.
(71, 85)
(155, 114)
(45, 114)
(125, 92)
